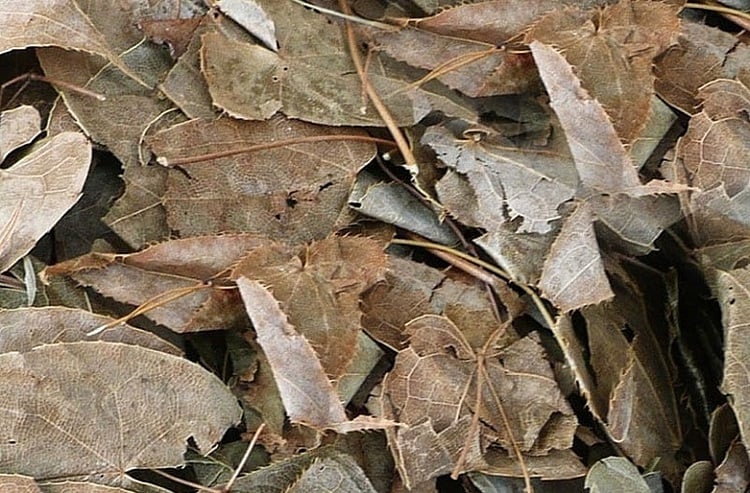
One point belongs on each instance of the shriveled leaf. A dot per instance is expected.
(104, 408)
(311, 77)
(282, 475)
(704, 54)
(714, 149)
(266, 191)
(573, 274)
(612, 51)
(530, 183)
(38, 190)
(18, 127)
(318, 286)
(55, 23)
(433, 387)
(733, 293)
(168, 268)
(308, 396)
(615, 474)
(25, 328)
(253, 18)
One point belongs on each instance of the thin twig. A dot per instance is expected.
(185, 482)
(228, 487)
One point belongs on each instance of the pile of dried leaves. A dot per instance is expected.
(489, 247)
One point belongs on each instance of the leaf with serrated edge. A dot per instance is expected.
(573, 274)
(38, 190)
(308, 396)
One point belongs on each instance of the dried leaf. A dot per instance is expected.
(18, 127)
(733, 293)
(176, 33)
(308, 396)
(573, 274)
(319, 287)
(313, 81)
(253, 18)
(168, 268)
(612, 51)
(90, 414)
(265, 191)
(733, 475)
(38, 190)
(25, 328)
(15, 483)
(615, 474)
(55, 23)
(531, 184)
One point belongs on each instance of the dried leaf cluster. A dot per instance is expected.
(436, 245)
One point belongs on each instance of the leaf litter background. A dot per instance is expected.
(220, 166)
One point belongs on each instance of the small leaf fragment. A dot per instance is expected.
(18, 126)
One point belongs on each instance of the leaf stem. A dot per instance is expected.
(228, 487)
(718, 8)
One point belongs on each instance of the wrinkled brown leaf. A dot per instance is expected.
(295, 192)
(38, 190)
(162, 269)
(99, 421)
(311, 77)
(308, 396)
(318, 287)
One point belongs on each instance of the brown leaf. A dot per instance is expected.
(433, 387)
(619, 40)
(25, 328)
(704, 54)
(530, 183)
(312, 76)
(18, 127)
(733, 293)
(87, 402)
(268, 191)
(319, 287)
(573, 274)
(176, 33)
(56, 23)
(252, 17)
(308, 396)
(168, 268)
(38, 190)
(15, 483)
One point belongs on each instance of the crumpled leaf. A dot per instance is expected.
(38, 190)
(266, 191)
(615, 474)
(573, 274)
(704, 54)
(25, 328)
(253, 18)
(311, 78)
(612, 51)
(281, 476)
(531, 184)
(18, 127)
(55, 23)
(733, 293)
(318, 286)
(432, 388)
(308, 396)
(166, 268)
(87, 402)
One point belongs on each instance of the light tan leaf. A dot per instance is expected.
(15, 483)
(266, 191)
(18, 127)
(308, 396)
(38, 190)
(55, 23)
(733, 293)
(253, 18)
(573, 274)
(530, 183)
(331, 475)
(103, 408)
(25, 328)
(167, 268)
(615, 474)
